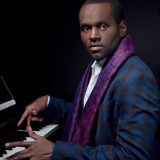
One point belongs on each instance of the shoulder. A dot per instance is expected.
(135, 68)
(135, 64)
(134, 74)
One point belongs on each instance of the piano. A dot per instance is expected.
(9, 132)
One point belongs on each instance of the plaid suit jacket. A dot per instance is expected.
(127, 121)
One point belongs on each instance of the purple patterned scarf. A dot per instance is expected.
(80, 121)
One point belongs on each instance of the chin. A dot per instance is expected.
(97, 57)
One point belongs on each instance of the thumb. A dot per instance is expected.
(32, 134)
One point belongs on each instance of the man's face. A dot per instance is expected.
(100, 33)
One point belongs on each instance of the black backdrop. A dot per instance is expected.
(41, 51)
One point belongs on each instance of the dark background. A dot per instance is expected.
(41, 51)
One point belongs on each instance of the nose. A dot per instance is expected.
(94, 36)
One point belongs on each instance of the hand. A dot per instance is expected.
(40, 149)
(32, 110)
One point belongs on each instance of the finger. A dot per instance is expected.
(38, 119)
(33, 135)
(17, 144)
(24, 115)
(28, 121)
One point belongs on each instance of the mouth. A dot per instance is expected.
(95, 48)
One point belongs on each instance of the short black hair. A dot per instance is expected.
(117, 9)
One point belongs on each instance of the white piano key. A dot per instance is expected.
(45, 130)
(11, 152)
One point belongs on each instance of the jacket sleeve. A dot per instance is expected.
(57, 109)
(138, 100)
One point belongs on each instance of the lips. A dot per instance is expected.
(95, 48)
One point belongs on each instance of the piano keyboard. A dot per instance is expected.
(45, 132)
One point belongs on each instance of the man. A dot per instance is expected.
(115, 113)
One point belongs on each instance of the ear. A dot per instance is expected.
(123, 28)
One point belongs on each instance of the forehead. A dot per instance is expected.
(95, 11)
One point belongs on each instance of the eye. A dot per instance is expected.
(84, 28)
(103, 26)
